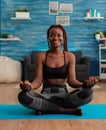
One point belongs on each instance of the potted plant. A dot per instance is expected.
(4, 35)
(22, 13)
(97, 34)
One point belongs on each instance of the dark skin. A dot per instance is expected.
(55, 59)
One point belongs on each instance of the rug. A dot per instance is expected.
(15, 111)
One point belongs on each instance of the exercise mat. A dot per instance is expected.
(16, 111)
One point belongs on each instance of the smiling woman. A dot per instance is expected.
(55, 38)
(54, 68)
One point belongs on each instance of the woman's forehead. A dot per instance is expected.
(52, 30)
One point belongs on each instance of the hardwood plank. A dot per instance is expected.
(52, 124)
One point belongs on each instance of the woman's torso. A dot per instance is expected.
(55, 68)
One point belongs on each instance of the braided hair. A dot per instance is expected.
(64, 35)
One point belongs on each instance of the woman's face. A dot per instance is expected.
(55, 37)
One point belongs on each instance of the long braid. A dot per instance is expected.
(64, 35)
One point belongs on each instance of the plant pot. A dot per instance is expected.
(97, 36)
(22, 14)
(4, 35)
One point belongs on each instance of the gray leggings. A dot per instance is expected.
(52, 98)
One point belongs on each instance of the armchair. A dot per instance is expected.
(82, 67)
(30, 66)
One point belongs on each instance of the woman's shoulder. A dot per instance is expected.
(41, 54)
(69, 54)
(70, 57)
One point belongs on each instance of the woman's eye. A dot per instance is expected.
(51, 35)
(59, 35)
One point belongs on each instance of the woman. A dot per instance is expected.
(55, 67)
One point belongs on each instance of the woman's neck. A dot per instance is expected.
(56, 51)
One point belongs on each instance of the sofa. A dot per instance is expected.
(82, 68)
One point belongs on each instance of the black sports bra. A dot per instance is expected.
(55, 73)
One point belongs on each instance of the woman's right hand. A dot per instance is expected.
(25, 86)
(90, 82)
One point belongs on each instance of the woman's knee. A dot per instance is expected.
(85, 93)
(24, 98)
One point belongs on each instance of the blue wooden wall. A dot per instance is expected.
(32, 32)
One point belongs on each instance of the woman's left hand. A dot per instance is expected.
(25, 86)
(90, 82)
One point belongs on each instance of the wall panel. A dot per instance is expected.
(32, 32)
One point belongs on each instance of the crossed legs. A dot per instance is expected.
(67, 105)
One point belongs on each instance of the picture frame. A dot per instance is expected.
(66, 8)
(63, 20)
(53, 8)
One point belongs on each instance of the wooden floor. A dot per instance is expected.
(8, 95)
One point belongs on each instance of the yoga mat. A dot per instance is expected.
(90, 111)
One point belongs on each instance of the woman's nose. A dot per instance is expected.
(55, 37)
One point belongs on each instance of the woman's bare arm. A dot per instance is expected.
(72, 81)
(36, 83)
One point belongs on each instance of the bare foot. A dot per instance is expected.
(74, 111)
(38, 113)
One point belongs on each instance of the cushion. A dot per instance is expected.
(10, 70)
(34, 53)
(78, 56)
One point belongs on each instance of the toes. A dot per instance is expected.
(79, 112)
(38, 113)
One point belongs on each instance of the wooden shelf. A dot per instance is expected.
(15, 18)
(93, 18)
(102, 62)
(103, 76)
(103, 65)
(101, 46)
(101, 39)
(10, 39)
